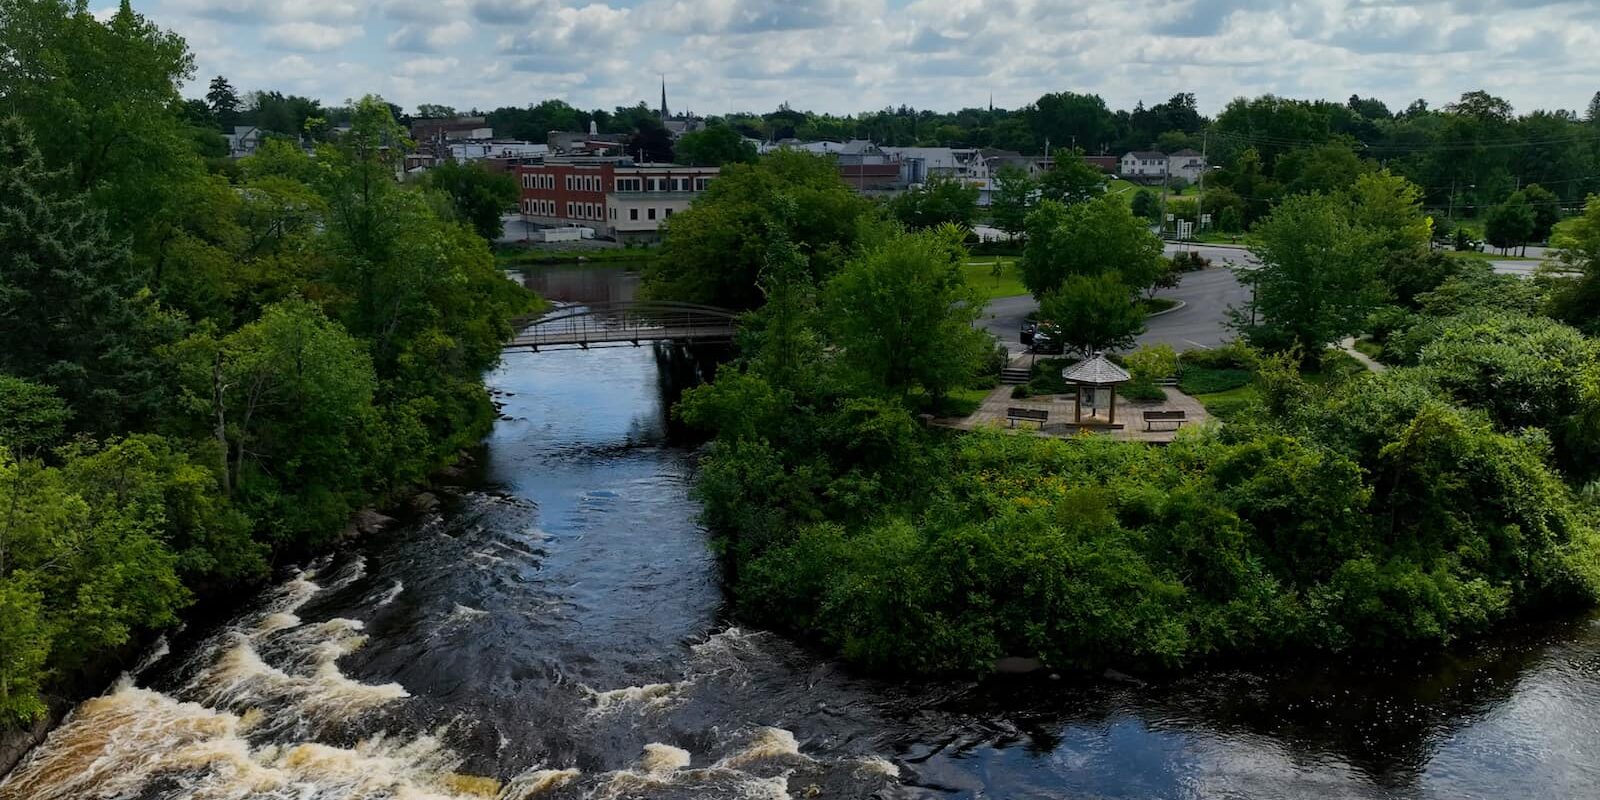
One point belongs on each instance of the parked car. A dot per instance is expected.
(1047, 340)
(1026, 334)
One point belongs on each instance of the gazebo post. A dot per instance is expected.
(1077, 406)
(1113, 404)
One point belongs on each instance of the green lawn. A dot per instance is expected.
(979, 272)
(1123, 189)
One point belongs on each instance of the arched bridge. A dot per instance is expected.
(611, 324)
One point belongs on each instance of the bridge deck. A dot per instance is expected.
(535, 339)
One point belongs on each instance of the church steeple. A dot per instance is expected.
(663, 98)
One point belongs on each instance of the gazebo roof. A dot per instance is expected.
(1097, 371)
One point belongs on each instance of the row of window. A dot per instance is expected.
(593, 183)
(542, 208)
(650, 213)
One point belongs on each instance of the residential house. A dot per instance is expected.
(243, 141)
(1186, 164)
(1144, 164)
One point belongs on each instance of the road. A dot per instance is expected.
(1206, 295)
(1200, 323)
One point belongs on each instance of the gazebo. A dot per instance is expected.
(1096, 379)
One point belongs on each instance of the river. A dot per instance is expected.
(556, 629)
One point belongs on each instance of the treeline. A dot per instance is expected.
(1338, 511)
(198, 371)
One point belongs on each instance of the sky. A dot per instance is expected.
(847, 56)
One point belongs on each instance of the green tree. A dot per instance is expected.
(1317, 280)
(1146, 205)
(1546, 210)
(1093, 313)
(715, 251)
(1013, 197)
(1576, 299)
(65, 311)
(1510, 224)
(1089, 239)
(223, 102)
(32, 417)
(1328, 168)
(478, 196)
(901, 315)
(1072, 180)
(942, 200)
(715, 146)
(1391, 207)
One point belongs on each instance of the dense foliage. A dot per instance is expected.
(200, 371)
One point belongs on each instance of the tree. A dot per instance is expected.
(223, 102)
(1072, 180)
(1317, 279)
(435, 111)
(1327, 168)
(650, 142)
(716, 250)
(715, 146)
(1013, 197)
(1576, 300)
(941, 200)
(1088, 239)
(1510, 224)
(901, 315)
(1391, 206)
(1093, 313)
(32, 417)
(1546, 210)
(65, 312)
(478, 196)
(1146, 205)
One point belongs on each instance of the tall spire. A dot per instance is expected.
(991, 102)
(663, 98)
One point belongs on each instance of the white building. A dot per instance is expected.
(1186, 164)
(477, 151)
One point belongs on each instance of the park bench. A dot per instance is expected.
(1038, 415)
(1153, 417)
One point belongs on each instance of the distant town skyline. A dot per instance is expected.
(844, 57)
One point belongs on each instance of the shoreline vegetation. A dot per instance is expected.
(1336, 512)
(208, 372)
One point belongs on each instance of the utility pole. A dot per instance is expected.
(1205, 166)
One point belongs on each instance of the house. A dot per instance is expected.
(1144, 164)
(1106, 164)
(918, 165)
(611, 194)
(1186, 164)
(1153, 165)
(243, 141)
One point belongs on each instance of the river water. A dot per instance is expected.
(556, 629)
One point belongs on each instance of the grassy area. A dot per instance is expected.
(980, 274)
(1229, 404)
(1123, 189)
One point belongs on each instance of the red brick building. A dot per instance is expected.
(613, 196)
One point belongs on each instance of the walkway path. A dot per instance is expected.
(1349, 346)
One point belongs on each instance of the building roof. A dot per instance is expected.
(1097, 371)
(1147, 154)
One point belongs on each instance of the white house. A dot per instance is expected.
(1186, 164)
(1144, 164)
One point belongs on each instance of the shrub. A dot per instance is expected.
(1210, 380)
(1233, 355)
(1143, 392)
(1190, 261)
(1020, 391)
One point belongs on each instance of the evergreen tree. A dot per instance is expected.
(223, 102)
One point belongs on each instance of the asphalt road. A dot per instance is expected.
(1200, 323)
(1207, 295)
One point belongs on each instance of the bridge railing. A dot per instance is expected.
(631, 322)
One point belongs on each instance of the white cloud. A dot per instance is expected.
(844, 56)
(429, 66)
(310, 37)
(426, 38)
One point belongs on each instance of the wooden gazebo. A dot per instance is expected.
(1099, 378)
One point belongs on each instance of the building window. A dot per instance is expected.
(669, 212)
(629, 184)
(701, 183)
(633, 214)
(650, 213)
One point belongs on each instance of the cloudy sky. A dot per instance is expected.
(846, 56)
